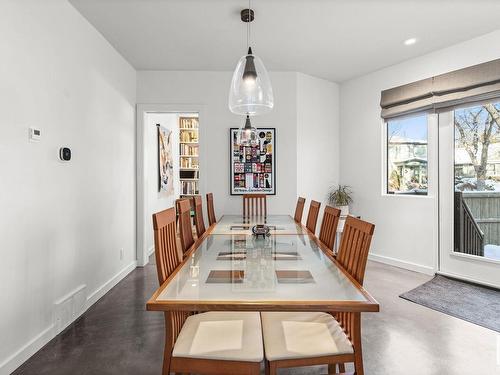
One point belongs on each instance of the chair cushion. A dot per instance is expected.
(293, 335)
(224, 335)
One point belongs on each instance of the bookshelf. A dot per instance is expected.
(189, 167)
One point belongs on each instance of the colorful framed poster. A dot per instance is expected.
(253, 169)
(165, 161)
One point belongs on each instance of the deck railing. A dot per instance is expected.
(469, 238)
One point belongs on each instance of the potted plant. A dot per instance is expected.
(340, 196)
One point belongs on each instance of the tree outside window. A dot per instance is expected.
(477, 148)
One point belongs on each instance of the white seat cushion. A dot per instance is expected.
(224, 335)
(293, 335)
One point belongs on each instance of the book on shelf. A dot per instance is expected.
(189, 174)
(189, 136)
(188, 162)
(188, 122)
(189, 187)
(188, 150)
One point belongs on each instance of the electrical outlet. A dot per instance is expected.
(121, 253)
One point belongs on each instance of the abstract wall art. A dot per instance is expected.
(253, 169)
(165, 161)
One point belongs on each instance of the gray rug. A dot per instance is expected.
(470, 302)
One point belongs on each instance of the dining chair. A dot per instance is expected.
(198, 216)
(328, 230)
(210, 209)
(299, 209)
(167, 253)
(312, 216)
(296, 339)
(185, 225)
(207, 343)
(254, 205)
(354, 247)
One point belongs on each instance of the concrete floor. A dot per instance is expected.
(117, 335)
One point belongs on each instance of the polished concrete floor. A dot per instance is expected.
(117, 335)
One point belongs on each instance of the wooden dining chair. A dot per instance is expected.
(254, 205)
(328, 230)
(198, 216)
(210, 209)
(354, 247)
(299, 209)
(312, 216)
(167, 254)
(185, 225)
(208, 343)
(295, 339)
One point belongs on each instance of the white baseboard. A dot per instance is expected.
(402, 264)
(150, 251)
(27, 350)
(36, 343)
(106, 287)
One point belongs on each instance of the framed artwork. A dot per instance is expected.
(165, 161)
(253, 169)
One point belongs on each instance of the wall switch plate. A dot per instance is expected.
(35, 134)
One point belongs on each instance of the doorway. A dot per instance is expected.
(469, 193)
(169, 161)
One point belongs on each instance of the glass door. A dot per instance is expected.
(469, 193)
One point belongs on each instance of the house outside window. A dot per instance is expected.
(407, 155)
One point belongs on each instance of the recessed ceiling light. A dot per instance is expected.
(409, 42)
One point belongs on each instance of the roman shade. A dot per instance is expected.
(473, 84)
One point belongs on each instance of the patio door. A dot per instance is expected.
(469, 193)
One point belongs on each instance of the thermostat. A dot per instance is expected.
(65, 154)
(35, 134)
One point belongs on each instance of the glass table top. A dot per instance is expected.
(245, 268)
(279, 224)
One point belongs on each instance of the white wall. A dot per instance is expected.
(406, 232)
(210, 89)
(157, 201)
(317, 138)
(62, 225)
(304, 107)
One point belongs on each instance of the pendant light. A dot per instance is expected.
(251, 92)
(247, 135)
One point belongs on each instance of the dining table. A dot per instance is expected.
(228, 268)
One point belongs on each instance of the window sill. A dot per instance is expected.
(409, 196)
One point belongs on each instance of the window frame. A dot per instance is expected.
(432, 157)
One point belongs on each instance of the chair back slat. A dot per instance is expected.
(168, 258)
(354, 247)
(328, 230)
(185, 225)
(254, 205)
(312, 216)
(198, 216)
(299, 209)
(210, 209)
(166, 252)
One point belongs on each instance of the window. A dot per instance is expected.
(407, 155)
(477, 180)
(477, 148)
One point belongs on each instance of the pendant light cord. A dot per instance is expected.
(248, 26)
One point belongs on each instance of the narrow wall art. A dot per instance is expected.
(165, 161)
(253, 169)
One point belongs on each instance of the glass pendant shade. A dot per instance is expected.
(247, 135)
(251, 92)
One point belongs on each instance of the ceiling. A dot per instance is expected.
(331, 39)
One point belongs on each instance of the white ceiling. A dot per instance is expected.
(331, 39)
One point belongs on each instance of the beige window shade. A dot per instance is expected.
(443, 92)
